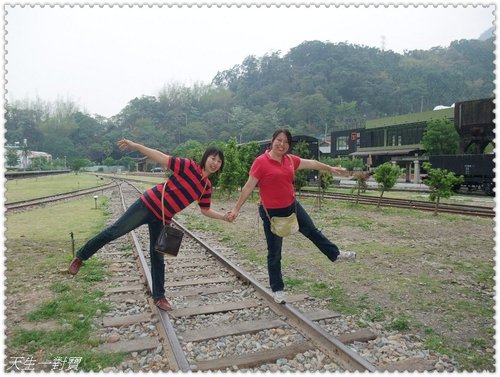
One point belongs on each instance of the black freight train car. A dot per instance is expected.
(477, 169)
(475, 123)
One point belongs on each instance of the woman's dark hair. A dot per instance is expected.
(287, 134)
(212, 151)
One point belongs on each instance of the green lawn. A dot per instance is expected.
(30, 188)
(50, 314)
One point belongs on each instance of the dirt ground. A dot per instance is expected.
(436, 271)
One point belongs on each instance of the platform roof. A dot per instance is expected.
(425, 116)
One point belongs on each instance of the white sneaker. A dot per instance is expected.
(279, 297)
(347, 256)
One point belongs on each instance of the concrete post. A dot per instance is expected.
(417, 171)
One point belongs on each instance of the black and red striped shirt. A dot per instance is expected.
(185, 185)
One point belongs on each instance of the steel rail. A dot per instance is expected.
(332, 347)
(57, 197)
(342, 354)
(177, 351)
(411, 204)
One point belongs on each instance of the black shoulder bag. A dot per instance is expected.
(170, 238)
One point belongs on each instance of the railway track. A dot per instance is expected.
(53, 198)
(224, 318)
(459, 209)
(468, 210)
(216, 301)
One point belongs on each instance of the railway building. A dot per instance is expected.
(398, 139)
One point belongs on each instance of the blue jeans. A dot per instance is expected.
(274, 242)
(136, 215)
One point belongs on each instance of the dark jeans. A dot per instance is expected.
(136, 215)
(274, 242)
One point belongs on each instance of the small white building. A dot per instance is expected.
(25, 161)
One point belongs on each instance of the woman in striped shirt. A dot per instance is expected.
(188, 183)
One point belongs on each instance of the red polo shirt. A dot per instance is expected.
(275, 179)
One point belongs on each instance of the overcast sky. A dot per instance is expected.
(101, 58)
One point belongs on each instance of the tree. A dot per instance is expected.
(350, 164)
(95, 152)
(196, 131)
(21, 124)
(109, 161)
(441, 183)
(247, 154)
(361, 178)
(326, 178)
(386, 176)
(347, 116)
(79, 163)
(313, 110)
(128, 162)
(230, 177)
(190, 149)
(314, 85)
(60, 146)
(301, 149)
(11, 157)
(325, 181)
(440, 137)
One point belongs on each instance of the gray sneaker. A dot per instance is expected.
(279, 297)
(347, 256)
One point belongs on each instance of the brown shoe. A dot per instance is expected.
(163, 304)
(74, 267)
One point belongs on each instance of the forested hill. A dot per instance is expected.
(313, 88)
(381, 82)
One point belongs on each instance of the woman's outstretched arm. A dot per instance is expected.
(153, 154)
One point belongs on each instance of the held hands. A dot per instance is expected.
(229, 217)
(232, 215)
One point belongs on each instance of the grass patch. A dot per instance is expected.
(400, 323)
(436, 342)
(30, 188)
(52, 224)
(69, 305)
(466, 355)
(41, 236)
(337, 296)
(375, 315)
(294, 283)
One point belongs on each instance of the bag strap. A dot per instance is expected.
(263, 206)
(162, 205)
(204, 188)
(163, 196)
